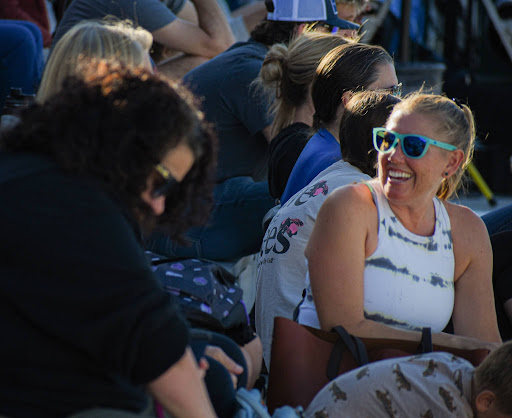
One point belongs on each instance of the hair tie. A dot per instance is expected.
(458, 103)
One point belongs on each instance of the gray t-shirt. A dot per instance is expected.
(149, 14)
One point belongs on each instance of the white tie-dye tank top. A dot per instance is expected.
(408, 280)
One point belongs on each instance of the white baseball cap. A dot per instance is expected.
(309, 11)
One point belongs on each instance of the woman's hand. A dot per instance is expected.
(218, 354)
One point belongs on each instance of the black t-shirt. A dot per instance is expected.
(83, 322)
(284, 151)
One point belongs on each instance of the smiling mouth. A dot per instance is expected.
(399, 175)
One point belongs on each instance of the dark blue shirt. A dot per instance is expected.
(321, 151)
(236, 108)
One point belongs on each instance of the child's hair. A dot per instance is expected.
(495, 374)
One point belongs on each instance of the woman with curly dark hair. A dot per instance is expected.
(87, 324)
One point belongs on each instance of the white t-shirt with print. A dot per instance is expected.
(281, 264)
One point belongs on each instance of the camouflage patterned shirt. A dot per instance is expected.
(431, 385)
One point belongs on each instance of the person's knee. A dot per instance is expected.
(220, 388)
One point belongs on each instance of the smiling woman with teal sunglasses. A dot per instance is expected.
(392, 256)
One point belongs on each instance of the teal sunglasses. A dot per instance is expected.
(413, 146)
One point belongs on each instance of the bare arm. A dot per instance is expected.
(189, 13)
(252, 13)
(474, 313)
(181, 390)
(253, 354)
(208, 39)
(336, 252)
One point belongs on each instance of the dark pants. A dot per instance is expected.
(234, 229)
(502, 279)
(498, 220)
(217, 379)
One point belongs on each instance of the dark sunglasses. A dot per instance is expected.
(164, 183)
(413, 146)
(395, 90)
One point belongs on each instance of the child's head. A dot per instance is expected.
(492, 384)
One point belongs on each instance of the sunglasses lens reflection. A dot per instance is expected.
(414, 146)
(385, 140)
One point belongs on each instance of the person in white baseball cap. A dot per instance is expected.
(307, 11)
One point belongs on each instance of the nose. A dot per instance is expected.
(397, 154)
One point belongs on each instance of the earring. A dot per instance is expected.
(446, 174)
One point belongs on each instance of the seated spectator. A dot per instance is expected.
(197, 28)
(243, 126)
(94, 39)
(498, 220)
(345, 69)
(21, 57)
(33, 11)
(429, 385)
(352, 9)
(392, 256)
(502, 281)
(286, 77)
(128, 45)
(88, 324)
(282, 269)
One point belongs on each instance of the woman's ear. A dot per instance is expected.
(456, 158)
(300, 28)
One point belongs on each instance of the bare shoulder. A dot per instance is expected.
(471, 241)
(353, 198)
(464, 222)
(349, 211)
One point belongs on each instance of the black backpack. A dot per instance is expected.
(206, 291)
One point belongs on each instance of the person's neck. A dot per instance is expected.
(417, 217)
(304, 114)
(334, 130)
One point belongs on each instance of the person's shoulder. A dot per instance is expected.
(464, 218)
(240, 63)
(353, 198)
(249, 47)
(467, 228)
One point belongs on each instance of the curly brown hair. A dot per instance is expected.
(115, 124)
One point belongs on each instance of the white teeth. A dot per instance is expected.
(399, 174)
